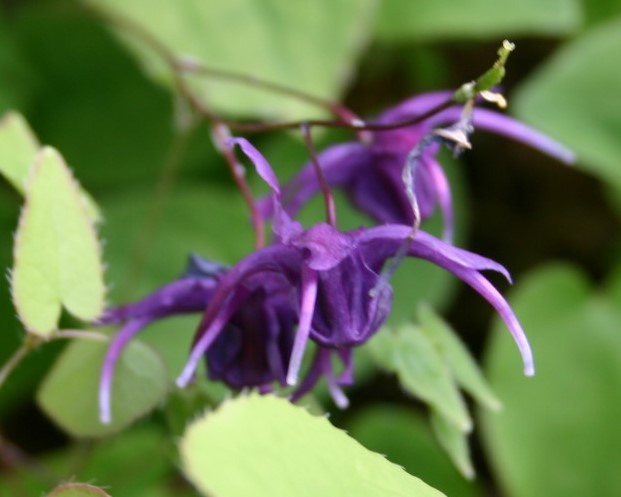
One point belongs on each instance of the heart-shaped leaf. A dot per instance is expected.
(69, 393)
(57, 254)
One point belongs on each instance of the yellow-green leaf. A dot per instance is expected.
(265, 446)
(57, 254)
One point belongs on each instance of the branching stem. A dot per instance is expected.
(30, 343)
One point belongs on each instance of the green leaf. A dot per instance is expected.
(300, 455)
(558, 433)
(400, 20)
(119, 463)
(382, 348)
(596, 11)
(18, 148)
(406, 439)
(15, 73)
(464, 368)
(187, 403)
(613, 284)
(276, 40)
(77, 490)
(455, 443)
(69, 394)
(57, 255)
(574, 98)
(204, 219)
(423, 372)
(112, 123)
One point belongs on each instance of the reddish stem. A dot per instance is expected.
(195, 67)
(325, 188)
(220, 134)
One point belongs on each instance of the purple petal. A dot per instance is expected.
(384, 241)
(322, 365)
(284, 227)
(414, 106)
(113, 353)
(307, 309)
(211, 331)
(256, 347)
(278, 259)
(313, 375)
(337, 394)
(494, 122)
(347, 376)
(511, 128)
(483, 119)
(187, 295)
(480, 284)
(377, 189)
(347, 314)
(198, 266)
(326, 246)
(465, 265)
(260, 162)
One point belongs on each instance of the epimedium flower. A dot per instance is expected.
(317, 284)
(189, 294)
(253, 350)
(340, 289)
(371, 173)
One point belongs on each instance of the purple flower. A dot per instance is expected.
(252, 351)
(337, 286)
(371, 174)
(254, 347)
(189, 294)
(317, 284)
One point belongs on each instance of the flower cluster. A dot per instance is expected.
(320, 284)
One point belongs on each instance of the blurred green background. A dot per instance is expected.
(88, 88)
